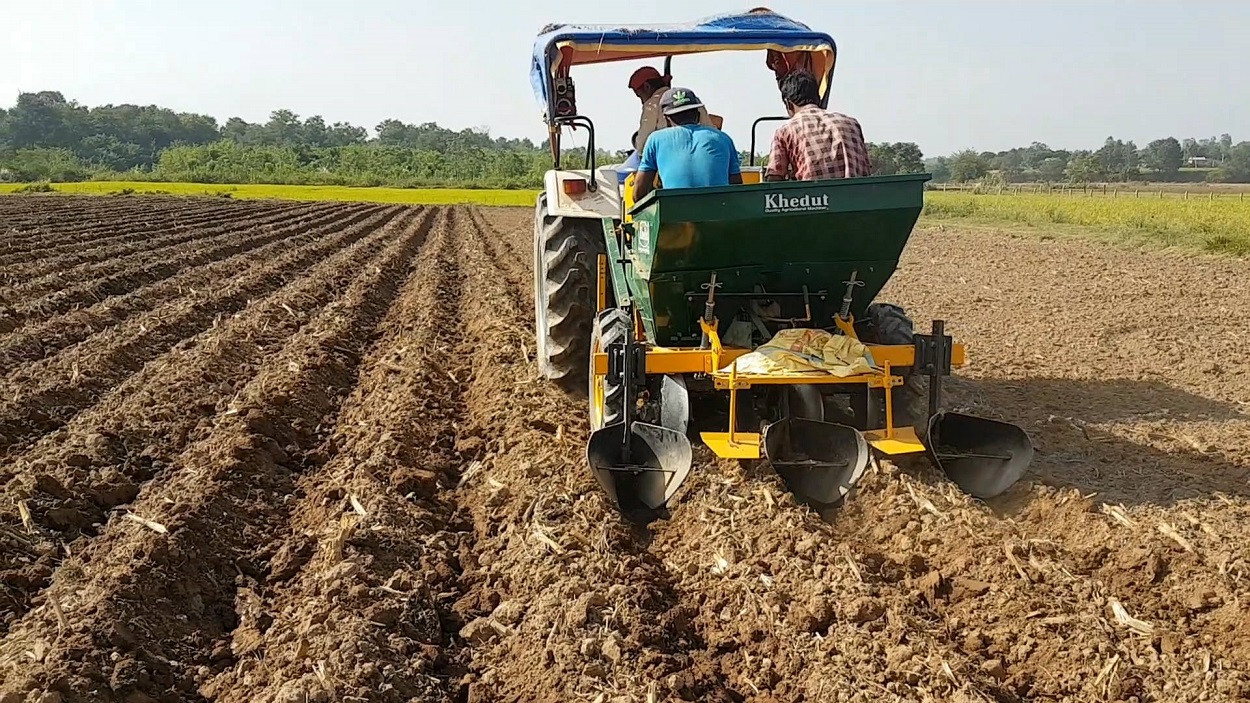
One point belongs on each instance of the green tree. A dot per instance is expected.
(1009, 164)
(283, 129)
(1165, 156)
(1052, 168)
(1085, 168)
(241, 131)
(939, 167)
(1033, 155)
(899, 157)
(1236, 168)
(45, 119)
(968, 165)
(344, 134)
(46, 165)
(1117, 159)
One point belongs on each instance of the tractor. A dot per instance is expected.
(651, 306)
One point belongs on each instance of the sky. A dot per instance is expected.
(988, 75)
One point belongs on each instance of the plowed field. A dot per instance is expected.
(256, 451)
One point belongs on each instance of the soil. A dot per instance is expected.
(300, 453)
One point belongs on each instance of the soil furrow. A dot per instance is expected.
(590, 612)
(159, 605)
(914, 590)
(59, 292)
(42, 396)
(359, 590)
(352, 486)
(73, 218)
(47, 336)
(71, 479)
(19, 261)
(47, 248)
(506, 223)
(86, 256)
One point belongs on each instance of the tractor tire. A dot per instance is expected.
(565, 254)
(884, 323)
(611, 325)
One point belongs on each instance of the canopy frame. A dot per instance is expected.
(561, 47)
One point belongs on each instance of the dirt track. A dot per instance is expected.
(278, 452)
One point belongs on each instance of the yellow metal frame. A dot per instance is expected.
(735, 444)
(674, 360)
(746, 445)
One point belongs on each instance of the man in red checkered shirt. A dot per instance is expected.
(815, 144)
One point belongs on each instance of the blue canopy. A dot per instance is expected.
(560, 47)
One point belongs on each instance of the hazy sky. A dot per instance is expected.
(947, 75)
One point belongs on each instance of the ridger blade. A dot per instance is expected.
(660, 462)
(819, 461)
(983, 457)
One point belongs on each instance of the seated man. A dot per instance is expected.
(686, 154)
(635, 155)
(815, 144)
(649, 86)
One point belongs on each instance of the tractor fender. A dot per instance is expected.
(604, 201)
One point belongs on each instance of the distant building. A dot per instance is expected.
(1199, 162)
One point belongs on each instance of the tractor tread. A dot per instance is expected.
(610, 326)
(886, 323)
(565, 250)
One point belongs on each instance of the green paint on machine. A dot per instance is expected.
(777, 238)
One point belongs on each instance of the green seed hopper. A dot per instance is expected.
(692, 280)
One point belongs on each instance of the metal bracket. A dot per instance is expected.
(933, 351)
(622, 353)
(933, 359)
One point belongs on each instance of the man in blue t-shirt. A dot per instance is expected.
(686, 154)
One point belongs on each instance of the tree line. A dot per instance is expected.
(44, 136)
(1216, 159)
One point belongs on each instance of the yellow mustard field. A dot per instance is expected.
(1216, 225)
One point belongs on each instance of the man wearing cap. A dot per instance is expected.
(687, 154)
(649, 86)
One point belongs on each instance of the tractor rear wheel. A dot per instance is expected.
(606, 399)
(565, 253)
(884, 323)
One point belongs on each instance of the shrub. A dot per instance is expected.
(40, 187)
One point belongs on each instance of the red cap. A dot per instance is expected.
(641, 76)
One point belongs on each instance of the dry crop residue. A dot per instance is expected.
(277, 452)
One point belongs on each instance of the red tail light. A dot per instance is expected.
(574, 186)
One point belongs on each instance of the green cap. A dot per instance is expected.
(677, 100)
